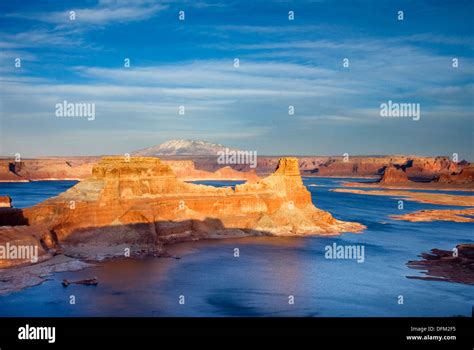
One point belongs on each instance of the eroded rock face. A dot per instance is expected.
(76, 168)
(5, 202)
(200, 167)
(145, 191)
(21, 245)
(430, 167)
(394, 175)
(465, 176)
(445, 265)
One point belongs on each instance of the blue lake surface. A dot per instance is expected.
(268, 271)
(26, 194)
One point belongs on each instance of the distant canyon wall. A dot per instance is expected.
(207, 168)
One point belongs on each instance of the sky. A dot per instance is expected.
(282, 63)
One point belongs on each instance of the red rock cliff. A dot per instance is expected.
(465, 176)
(146, 191)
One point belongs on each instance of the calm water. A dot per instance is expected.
(268, 271)
(26, 194)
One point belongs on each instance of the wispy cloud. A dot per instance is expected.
(41, 38)
(105, 12)
(191, 64)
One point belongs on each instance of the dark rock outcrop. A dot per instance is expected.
(445, 265)
(465, 176)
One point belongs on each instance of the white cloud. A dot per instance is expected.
(105, 12)
(41, 38)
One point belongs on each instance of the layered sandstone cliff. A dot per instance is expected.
(425, 168)
(145, 190)
(465, 176)
(192, 168)
(430, 167)
(140, 204)
(80, 168)
(74, 168)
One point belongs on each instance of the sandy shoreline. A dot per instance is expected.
(421, 197)
(21, 277)
(454, 215)
(429, 186)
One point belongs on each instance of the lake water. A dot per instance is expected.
(268, 271)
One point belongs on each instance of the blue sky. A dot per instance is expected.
(282, 63)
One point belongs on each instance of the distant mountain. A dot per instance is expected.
(182, 148)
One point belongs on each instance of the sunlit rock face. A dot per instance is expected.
(5, 202)
(75, 168)
(431, 166)
(465, 176)
(20, 245)
(141, 199)
(394, 175)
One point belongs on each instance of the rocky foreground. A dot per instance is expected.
(421, 197)
(136, 206)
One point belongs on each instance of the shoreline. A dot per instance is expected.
(427, 186)
(420, 197)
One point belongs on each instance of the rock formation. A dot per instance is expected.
(393, 175)
(444, 265)
(429, 168)
(37, 239)
(140, 204)
(465, 176)
(197, 160)
(74, 168)
(79, 168)
(145, 190)
(5, 202)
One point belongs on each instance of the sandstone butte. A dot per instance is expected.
(140, 204)
(394, 175)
